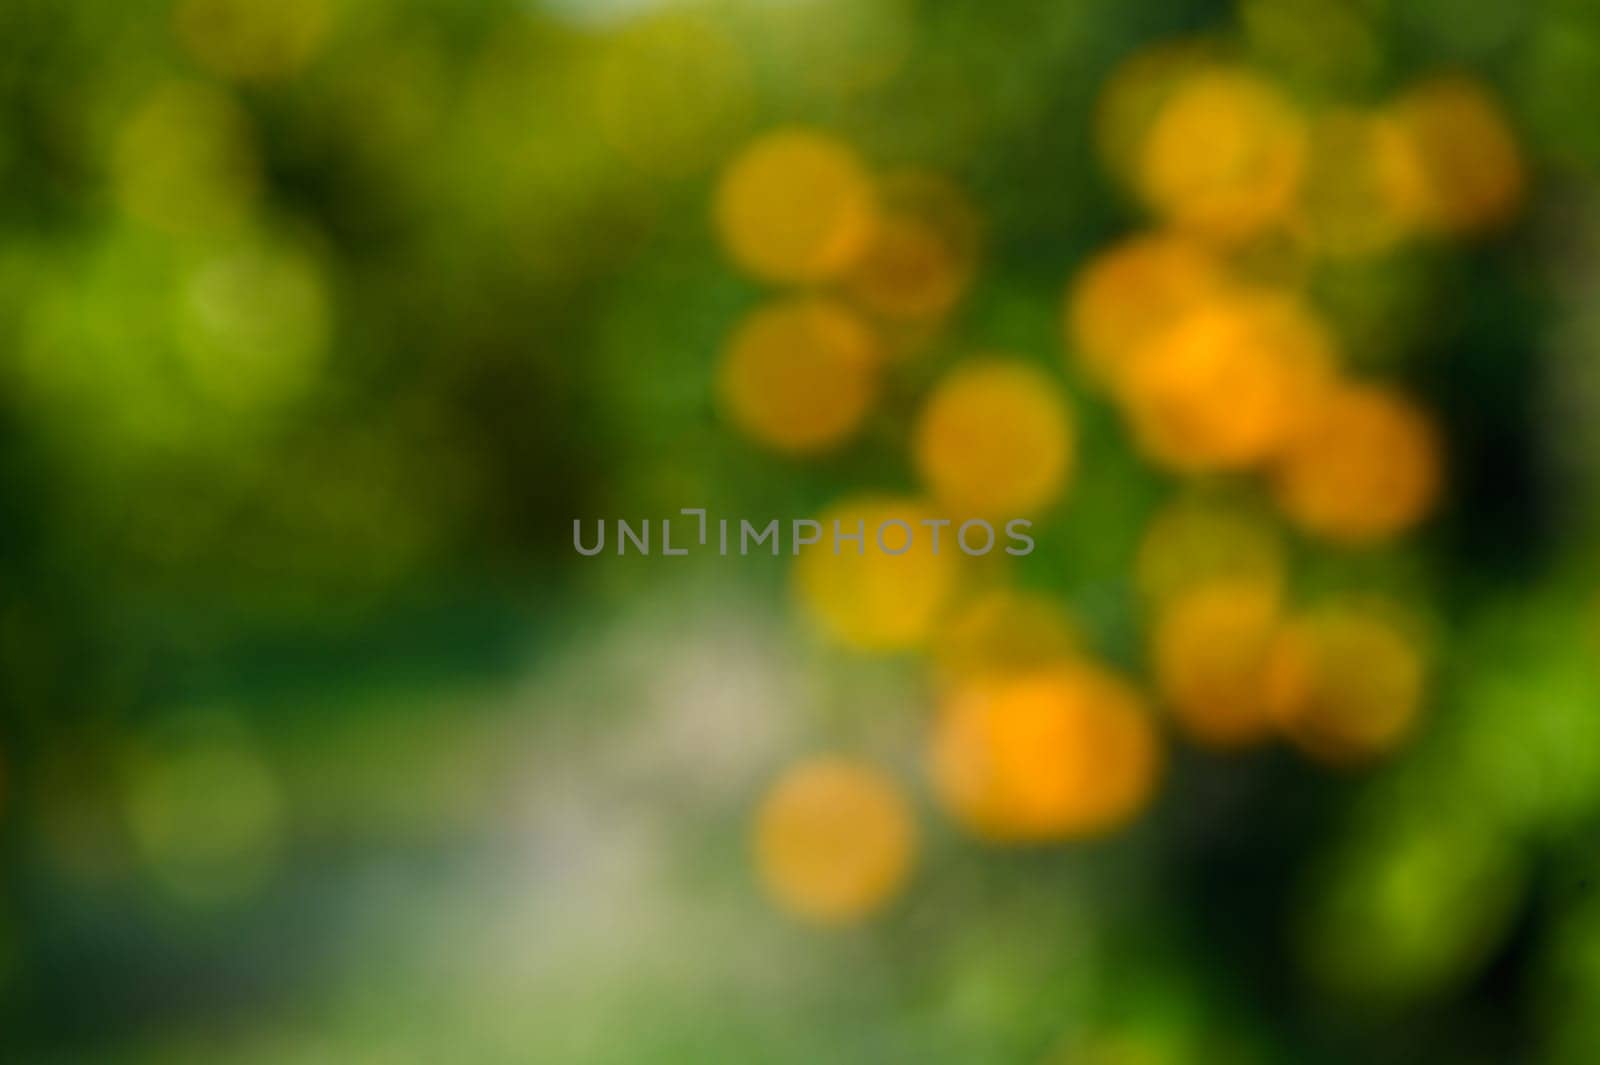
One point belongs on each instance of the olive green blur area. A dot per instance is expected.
(323, 321)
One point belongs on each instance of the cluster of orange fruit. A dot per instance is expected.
(871, 263)
(1218, 371)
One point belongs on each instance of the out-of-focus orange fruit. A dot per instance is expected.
(1132, 292)
(795, 207)
(1133, 96)
(923, 250)
(1363, 184)
(1224, 388)
(834, 840)
(1364, 466)
(1472, 172)
(995, 439)
(873, 600)
(1211, 649)
(800, 375)
(1064, 753)
(1225, 155)
(1345, 683)
(1203, 539)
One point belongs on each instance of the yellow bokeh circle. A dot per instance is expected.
(834, 840)
(186, 160)
(1364, 466)
(1346, 683)
(1225, 155)
(1202, 539)
(923, 251)
(670, 91)
(996, 438)
(1471, 168)
(1131, 293)
(1064, 753)
(1134, 95)
(795, 207)
(799, 375)
(1363, 184)
(870, 599)
(1210, 649)
(1224, 387)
